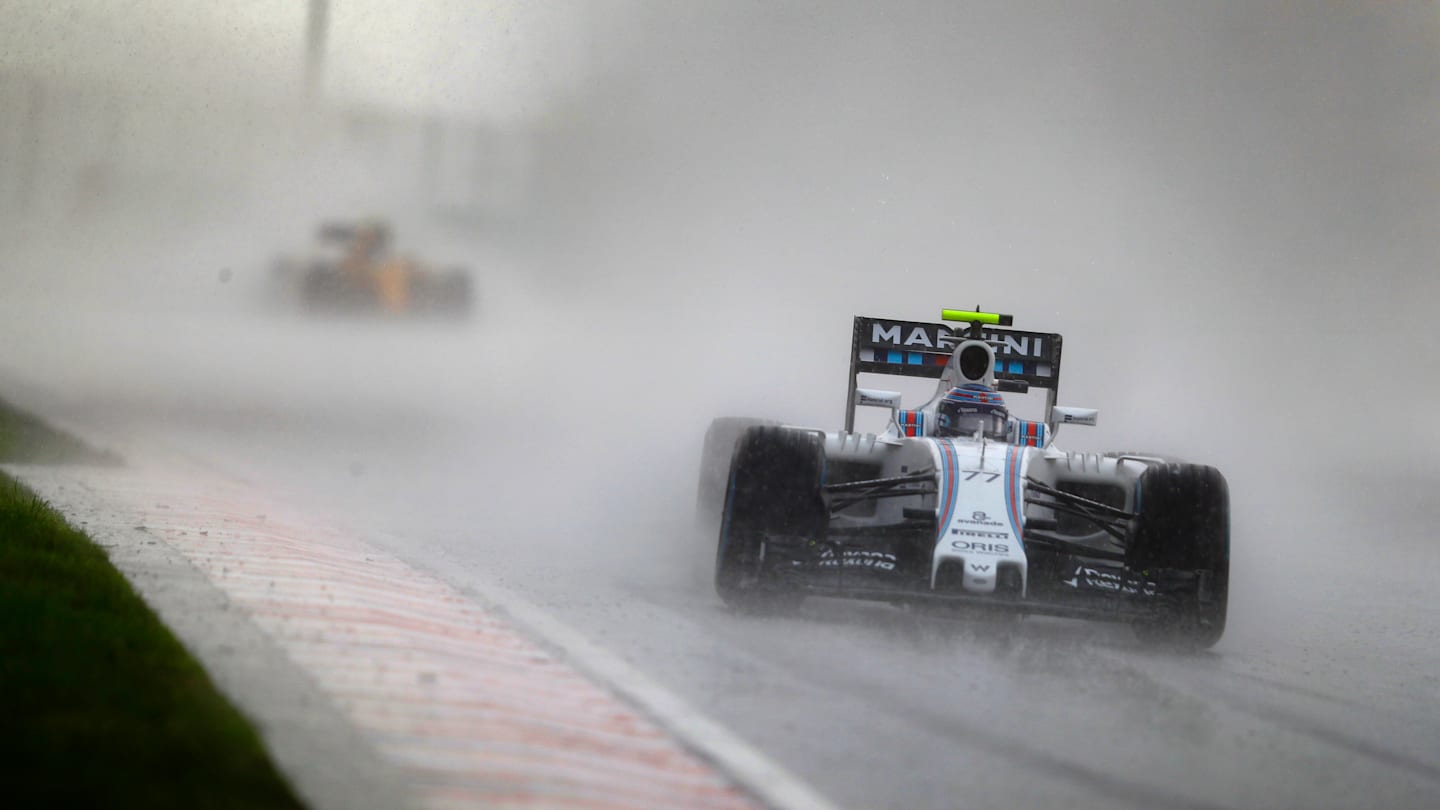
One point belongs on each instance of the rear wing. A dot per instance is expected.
(917, 349)
(336, 232)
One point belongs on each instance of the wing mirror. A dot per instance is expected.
(1062, 415)
(876, 398)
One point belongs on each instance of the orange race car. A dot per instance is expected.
(355, 271)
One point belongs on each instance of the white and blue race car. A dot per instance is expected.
(957, 505)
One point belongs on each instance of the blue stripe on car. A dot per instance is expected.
(1012, 490)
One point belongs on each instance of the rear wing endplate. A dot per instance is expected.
(917, 349)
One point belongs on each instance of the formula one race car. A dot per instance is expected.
(959, 506)
(353, 270)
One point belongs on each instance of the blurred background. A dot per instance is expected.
(472, 277)
(670, 212)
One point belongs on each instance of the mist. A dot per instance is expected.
(1226, 210)
(673, 211)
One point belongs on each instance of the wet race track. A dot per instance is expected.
(1228, 212)
(1326, 701)
(1321, 693)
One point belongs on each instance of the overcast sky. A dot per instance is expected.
(492, 58)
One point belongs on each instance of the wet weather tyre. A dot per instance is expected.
(1182, 543)
(457, 295)
(773, 497)
(715, 457)
(320, 289)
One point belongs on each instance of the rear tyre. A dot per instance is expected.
(1182, 542)
(457, 296)
(773, 496)
(320, 289)
(715, 457)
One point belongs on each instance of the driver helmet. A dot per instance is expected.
(964, 409)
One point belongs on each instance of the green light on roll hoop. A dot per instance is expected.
(993, 318)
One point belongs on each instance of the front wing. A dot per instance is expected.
(1060, 585)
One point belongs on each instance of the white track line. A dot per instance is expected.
(763, 777)
(485, 698)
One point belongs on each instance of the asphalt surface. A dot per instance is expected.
(520, 450)
(1323, 692)
(1227, 211)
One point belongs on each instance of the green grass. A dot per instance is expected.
(24, 438)
(100, 706)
